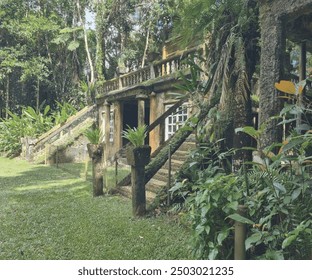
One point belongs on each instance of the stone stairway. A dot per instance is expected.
(160, 179)
(65, 141)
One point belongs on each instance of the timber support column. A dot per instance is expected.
(95, 153)
(138, 157)
(141, 109)
(273, 46)
(118, 126)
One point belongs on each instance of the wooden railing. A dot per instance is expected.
(157, 69)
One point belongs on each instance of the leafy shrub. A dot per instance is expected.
(277, 191)
(30, 123)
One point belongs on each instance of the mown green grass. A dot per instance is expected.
(47, 213)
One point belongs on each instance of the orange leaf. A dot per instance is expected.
(286, 86)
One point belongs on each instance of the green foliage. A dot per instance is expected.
(135, 135)
(275, 188)
(211, 202)
(280, 201)
(30, 123)
(93, 135)
(63, 112)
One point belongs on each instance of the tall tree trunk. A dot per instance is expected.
(38, 95)
(146, 44)
(7, 97)
(85, 36)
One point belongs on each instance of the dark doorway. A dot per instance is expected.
(130, 115)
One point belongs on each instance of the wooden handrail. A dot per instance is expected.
(166, 114)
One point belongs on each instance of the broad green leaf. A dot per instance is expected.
(46, 110)
(241, 219)
(222, 235)
(295, 193)
(278, 186)
(288, 241)
(256, 237)
(73, 45)
(213, 254)
(251, 131)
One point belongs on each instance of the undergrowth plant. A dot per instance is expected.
(276, 188)
(30, 123)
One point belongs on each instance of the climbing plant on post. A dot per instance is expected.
(95, 150)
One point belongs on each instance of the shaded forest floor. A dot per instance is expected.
(48, 213)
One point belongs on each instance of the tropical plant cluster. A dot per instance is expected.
(275, 188)
(30, 123)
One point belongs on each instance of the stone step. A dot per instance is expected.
(126, 192)
(155, 185)
(175, 164)
(163, 176)
(187, 147)
(180, 154)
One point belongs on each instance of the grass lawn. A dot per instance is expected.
(48, 213)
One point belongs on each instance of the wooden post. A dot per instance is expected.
(138, 157)
(138, 191)
(153, 115)
(169, 175)
(240, 236)
(96, 152)
(116, 172)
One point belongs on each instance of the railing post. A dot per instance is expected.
(57, 156)
(152, 72)
(169, 175)
(116, 171)
(120, 85)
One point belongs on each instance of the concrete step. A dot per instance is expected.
(155, 185)
(126, 192)
(175, 164)
(187, 147)
(163, 176)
